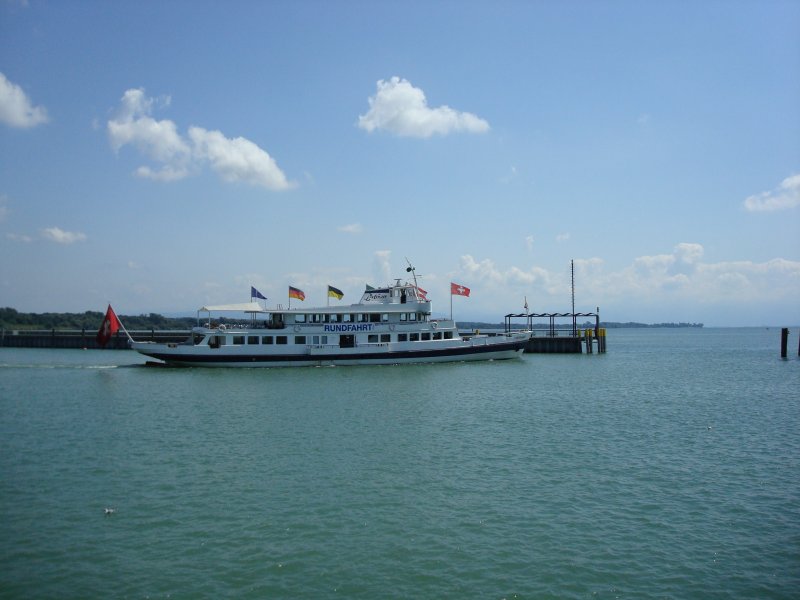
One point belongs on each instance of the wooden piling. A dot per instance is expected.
(588, 335)
(601, 340)
(784, 341)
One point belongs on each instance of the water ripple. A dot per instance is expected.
(559, 476)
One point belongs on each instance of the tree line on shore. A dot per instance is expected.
(11, 319)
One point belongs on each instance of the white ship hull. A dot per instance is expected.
(480, 348)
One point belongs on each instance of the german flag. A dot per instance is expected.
(295, 293)
(335, 292)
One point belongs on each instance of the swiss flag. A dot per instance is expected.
(109, 327)
(458, 290)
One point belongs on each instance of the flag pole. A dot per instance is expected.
(122, 326)
(451, 301)
(130, 339)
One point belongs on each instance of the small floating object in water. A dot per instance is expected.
(110, 511)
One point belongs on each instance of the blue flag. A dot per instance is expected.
(254, 293)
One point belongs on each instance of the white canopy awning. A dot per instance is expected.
(250, 307)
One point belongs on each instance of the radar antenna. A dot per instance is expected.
(412, 270)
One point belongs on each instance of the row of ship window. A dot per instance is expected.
(373, 338)
(357, 318)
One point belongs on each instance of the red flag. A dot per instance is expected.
(422, 294)
(109, 327)
(458, 290)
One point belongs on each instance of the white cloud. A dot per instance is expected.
(660, 262)
(562, 237)
(15, 107)
(588, 264)
(681, 277)
(58, 235)
(663, 287)
(134, 125)
(19, 237)
(648, 275)
(529, 242)
(382, 267)
(351, 228)
(400, 108)
(512, 173)
(688, 253)
(786, 196)
(236, 159)
(486, 271)
(165, 173)
(748, 281)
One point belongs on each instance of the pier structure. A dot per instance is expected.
(558, 337)
(82, 338)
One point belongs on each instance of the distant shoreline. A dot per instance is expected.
(11, 319)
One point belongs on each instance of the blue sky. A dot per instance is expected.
(164, 155)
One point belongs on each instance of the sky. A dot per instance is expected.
(160, 156)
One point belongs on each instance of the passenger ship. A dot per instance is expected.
(392, 325)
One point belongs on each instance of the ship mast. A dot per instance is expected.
(412, 270)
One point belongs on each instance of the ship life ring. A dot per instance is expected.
(391, 327)
(434, 325)
(296, 328)
(222, 327)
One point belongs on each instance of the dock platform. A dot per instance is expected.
(560, 338)
(82, 339)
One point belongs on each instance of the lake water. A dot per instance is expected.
(667, 468)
